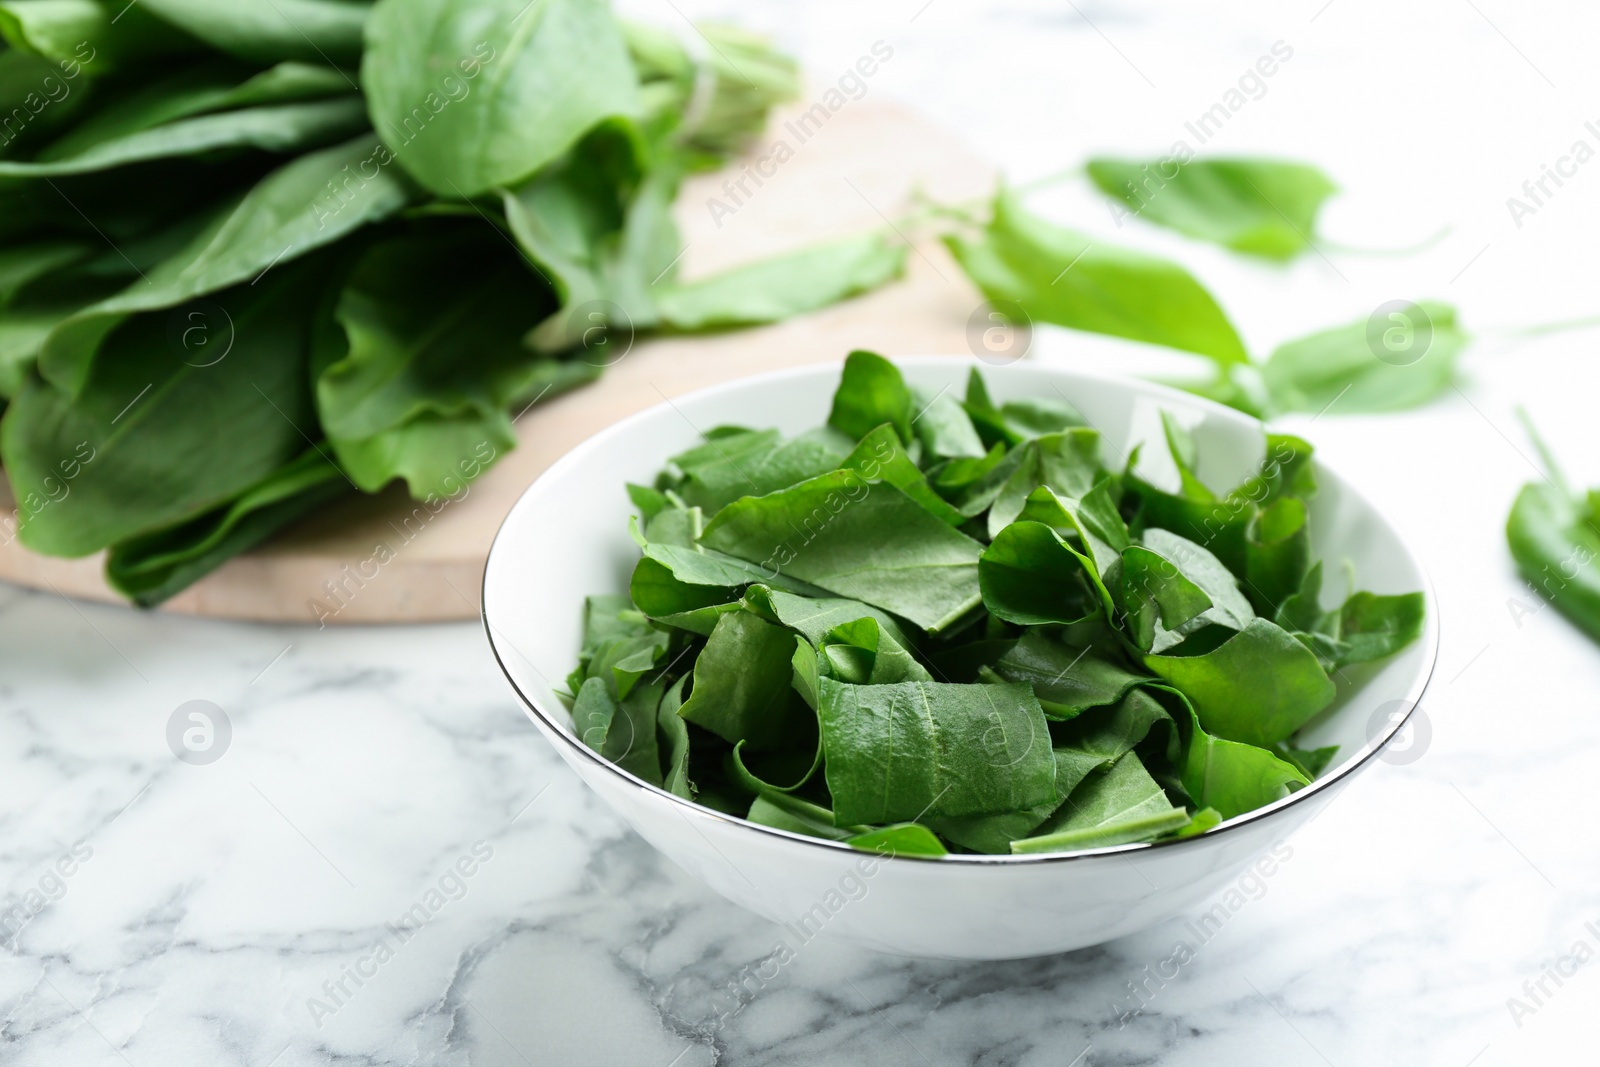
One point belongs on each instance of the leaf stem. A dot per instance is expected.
(1048, 180)
(1552, 468)
(1544, 328)
(1405, 250)
(964, 210)
(929, 208)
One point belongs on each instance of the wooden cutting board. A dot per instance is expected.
(380, 559)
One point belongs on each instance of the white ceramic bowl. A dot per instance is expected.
(567, 538)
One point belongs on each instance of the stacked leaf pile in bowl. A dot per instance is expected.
(938, 625)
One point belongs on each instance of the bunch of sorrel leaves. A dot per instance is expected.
(259, 254)
(256, 254)
(946, 625)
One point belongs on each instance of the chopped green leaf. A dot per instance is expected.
(1111, 808)
(1258, 687)
(897, 753)
(1067, 680)
(901, 839)
(741, 688)
(871, 392)
(1232, 777)
(869, 542)
(1030, 576)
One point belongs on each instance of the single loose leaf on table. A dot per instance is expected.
(1261, 207)
(784, 286)
(1391, 362)
(1060, 276)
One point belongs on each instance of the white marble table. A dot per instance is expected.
(387, 865)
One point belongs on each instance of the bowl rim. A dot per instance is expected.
(1321, 787)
